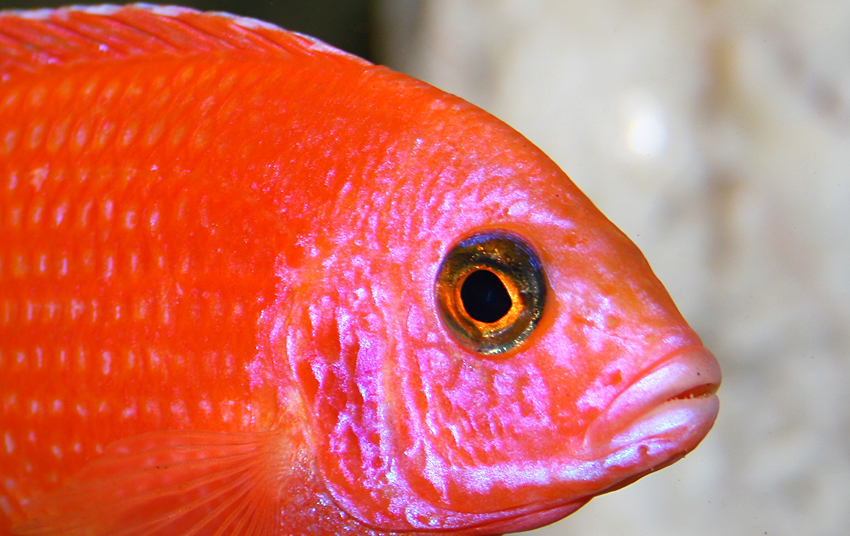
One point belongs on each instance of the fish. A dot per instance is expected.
(252, 284)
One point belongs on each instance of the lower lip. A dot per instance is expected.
(679, 424)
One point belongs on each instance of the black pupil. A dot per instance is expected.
(485, 297)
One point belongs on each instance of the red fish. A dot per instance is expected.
(251, 284)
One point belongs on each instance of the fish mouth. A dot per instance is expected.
(659, 418)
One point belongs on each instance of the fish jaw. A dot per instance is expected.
(662, 415)
(674, 402)
(651, 424)
(656, 418)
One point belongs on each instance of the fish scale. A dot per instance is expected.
(94, 319)
(222, 246)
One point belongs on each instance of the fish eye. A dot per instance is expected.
(490, 292)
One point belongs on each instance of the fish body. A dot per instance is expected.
(240, 273)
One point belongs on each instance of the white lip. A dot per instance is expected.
(675, 400)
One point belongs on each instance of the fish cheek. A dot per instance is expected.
(471, 429)
(336, 346)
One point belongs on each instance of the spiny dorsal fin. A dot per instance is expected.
(30, 40)
(167, 483)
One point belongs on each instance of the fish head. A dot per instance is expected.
(489, 351)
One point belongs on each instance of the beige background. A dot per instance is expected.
(717, 135)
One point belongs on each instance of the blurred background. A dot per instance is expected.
(716, 134)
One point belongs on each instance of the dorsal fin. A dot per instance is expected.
(31, 40)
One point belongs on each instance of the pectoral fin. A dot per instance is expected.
(170, 483)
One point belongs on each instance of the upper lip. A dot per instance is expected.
(691, 375)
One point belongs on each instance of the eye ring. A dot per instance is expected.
(490, 291)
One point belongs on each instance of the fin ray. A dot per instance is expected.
(33, 40)
(165, 483)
